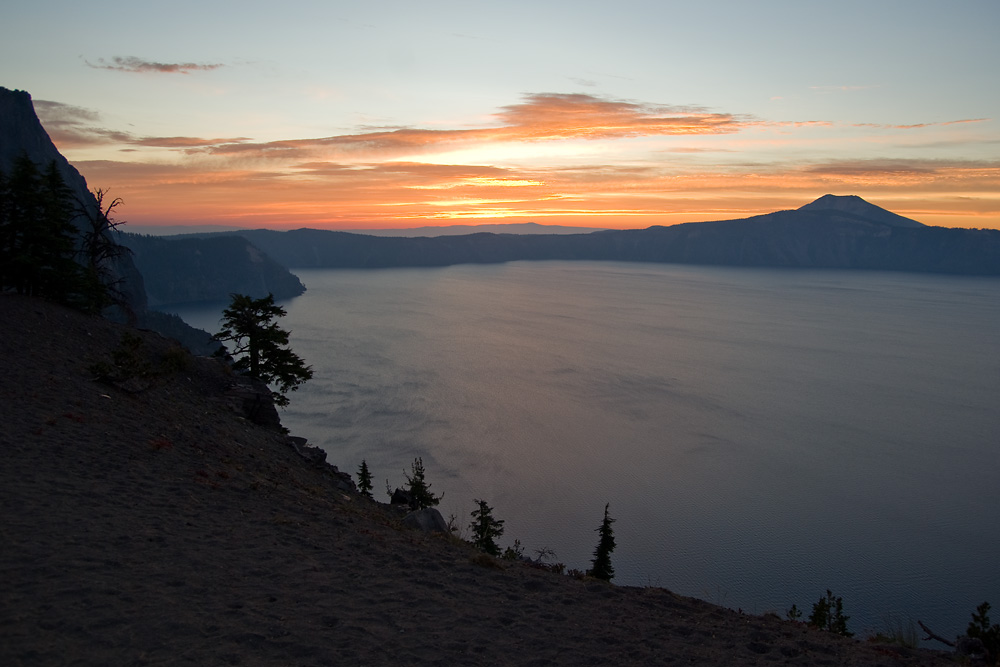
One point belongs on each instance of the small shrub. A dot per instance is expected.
(455, 528)
(515, 552)
(981, 629)
(794, 613)
(828, 614)
(544, 554)
(175, 360)
(898, 631)
(127, 362)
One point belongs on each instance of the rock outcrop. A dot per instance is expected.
(427, 520)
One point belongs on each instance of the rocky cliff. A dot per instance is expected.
(21, 133)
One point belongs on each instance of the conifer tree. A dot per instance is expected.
(485, 529)
(260, 344)
(601, 565)
(364, 480)
(419, 489)
(37, 234)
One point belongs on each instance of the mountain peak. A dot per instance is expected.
(856, 206)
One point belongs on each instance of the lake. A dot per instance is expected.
(761, 435)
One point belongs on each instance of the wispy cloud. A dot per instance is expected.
(917, 126)
(54, 113)
(73, 126)
(185, 142)
(974, 175)
(842, 89)
(138, 65)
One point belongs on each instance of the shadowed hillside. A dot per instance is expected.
(150, 523)
(207, 269)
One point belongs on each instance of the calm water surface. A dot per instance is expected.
(761, 435)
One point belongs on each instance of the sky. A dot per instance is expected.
(624, 114)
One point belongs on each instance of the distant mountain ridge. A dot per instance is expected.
(432, 230)
(459, 230)
(844, 232)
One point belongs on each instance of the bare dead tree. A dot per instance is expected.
(99, 249)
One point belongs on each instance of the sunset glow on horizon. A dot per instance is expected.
(385, 114)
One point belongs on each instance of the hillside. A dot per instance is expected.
(149, 523)
(207, 269)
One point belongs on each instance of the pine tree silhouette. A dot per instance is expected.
(602, 568)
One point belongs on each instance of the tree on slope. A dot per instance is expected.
(485, 529)
(601, 568)
(364, 480)
(100, 251)
(420, 491)
(260, 345)
(37, 234)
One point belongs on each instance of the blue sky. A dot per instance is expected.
(627, 114)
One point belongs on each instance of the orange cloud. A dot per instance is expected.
(541, 117)
(404, 193)
(570, 116)
(376, 178)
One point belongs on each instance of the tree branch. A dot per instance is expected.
(932, 635)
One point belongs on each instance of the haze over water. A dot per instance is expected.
(761, 435)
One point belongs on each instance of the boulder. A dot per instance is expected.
(428, 520)
(401, 497)
(251, 399)
(972, 648)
